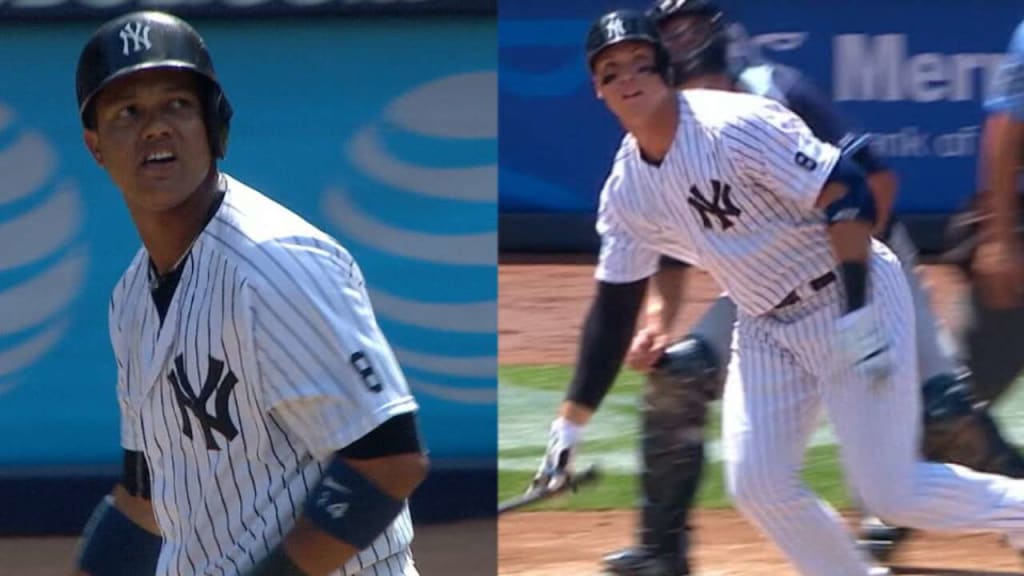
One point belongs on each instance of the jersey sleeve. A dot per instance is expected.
(622, 257)
(325, 367)
(1007, 93)
(774, 148)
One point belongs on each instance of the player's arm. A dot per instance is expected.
(121, 536)
(883, 184)
(661, 309)
(666, 297)
(827, 124)
(328, 375)
(363, 489)
(850, 215)
(624, 265)
(623, 268)
(604, 339)
(1002, 145)
(999, 261)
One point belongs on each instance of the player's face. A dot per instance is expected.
(682, 34)
(626, 77)
(151, 138)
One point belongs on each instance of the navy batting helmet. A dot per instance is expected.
(622, 26)
(708, 55)
(144, 41)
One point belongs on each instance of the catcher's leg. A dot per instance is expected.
(674, 410)
(960, 430)
(992, 338)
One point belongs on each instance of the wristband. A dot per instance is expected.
(855, 284)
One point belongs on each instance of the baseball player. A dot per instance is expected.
(267, 428)
(957, 429)
(995, 262)
(738, 185)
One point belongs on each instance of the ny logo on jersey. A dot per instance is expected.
(720, 206)
(138, 35)
(216, 382)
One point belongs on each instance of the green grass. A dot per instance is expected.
(619, 490)
(528, 398)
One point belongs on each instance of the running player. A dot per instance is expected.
(737, 185)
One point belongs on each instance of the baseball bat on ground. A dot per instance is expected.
(588, 476)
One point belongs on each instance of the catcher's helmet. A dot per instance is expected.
(144, 41)
(709, 56)
(622, 26)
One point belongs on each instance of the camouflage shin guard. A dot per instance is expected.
(674, 414)
(960, 431)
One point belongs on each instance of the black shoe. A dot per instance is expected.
(879, 539)
(641, 562)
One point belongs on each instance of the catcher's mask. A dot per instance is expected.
(693, 32)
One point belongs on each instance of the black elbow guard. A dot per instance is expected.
(858, 203)
(857, 148)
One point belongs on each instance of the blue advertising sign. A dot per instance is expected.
(915, 77)
(382, 133)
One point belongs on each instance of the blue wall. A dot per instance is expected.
(383, 132)
(912, 71)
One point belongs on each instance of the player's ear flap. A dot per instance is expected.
(92, 142)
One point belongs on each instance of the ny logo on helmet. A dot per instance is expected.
(615, 28)
(138, 35)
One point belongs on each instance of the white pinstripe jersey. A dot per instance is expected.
(734, 195)
(260, 371)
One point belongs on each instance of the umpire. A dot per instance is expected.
(995, 262)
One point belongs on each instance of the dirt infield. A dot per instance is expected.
(541, 307)
(570, 544)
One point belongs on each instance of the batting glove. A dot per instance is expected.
(557, 468)
(865, 345)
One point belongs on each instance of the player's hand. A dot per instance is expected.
(865, 344)
(998, 267)
(646, 348)
(557, 468)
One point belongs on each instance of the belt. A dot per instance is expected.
(817, 284)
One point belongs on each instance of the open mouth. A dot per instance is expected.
(159, 158)
(632, 95)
